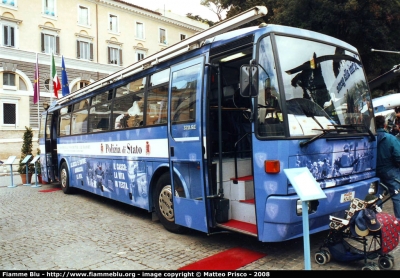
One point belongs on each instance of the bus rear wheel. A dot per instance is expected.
(64, 179)
(164, 206)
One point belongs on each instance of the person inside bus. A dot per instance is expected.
(132, 118)
(271, 102)
(271, 105)
(388, 162)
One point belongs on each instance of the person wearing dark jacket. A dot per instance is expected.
(388, 162)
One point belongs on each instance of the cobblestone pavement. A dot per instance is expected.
(54, 231)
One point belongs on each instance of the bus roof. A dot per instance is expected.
(279, 29)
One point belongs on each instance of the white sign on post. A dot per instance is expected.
(308, 189)
(10, 160)
(304, 183)
(35, 159)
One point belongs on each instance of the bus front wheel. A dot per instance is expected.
(65, 179)
(164, 205)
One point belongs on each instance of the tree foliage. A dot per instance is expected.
(26, 149)
(366, 24)
(198, 18)
(215, 6)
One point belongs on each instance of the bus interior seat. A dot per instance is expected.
(228, 93)
(103, 124)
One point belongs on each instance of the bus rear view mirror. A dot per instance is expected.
(248, 81)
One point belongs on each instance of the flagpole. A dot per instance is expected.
(51, 79)
(38, 89)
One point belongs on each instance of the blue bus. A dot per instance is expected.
(199, 134)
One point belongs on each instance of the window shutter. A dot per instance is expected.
(77, 50)
(42, 41)
(91, 51)
(12, 36)
(120, 57)
(109, 54)
(57, 45)
(5, 36)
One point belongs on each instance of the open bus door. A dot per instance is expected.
(50, 148)
(186, 144)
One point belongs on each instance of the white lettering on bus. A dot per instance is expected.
(78, 169)
(121, 184)
(118, 166)
(78, 163)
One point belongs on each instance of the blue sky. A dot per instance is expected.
(181, 7)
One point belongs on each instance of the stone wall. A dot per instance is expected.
(12, 147)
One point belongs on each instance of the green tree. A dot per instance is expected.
(198, 18)
(26, 149)
(366, 24)
(215, 6)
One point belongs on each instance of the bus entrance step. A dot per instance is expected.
(245, 178)
(249, 201)
(240, 227)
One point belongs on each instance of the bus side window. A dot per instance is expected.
(128, 112)
(99, 118)
(157, 105)
(64, 125)
(79, 122)
(185, 107)
(65, 121)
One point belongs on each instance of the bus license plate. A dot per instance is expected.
(347, 197)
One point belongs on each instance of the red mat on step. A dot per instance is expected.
(49, 190)
(231, 259)
(241, 226)
(245, 178)
(250, 201)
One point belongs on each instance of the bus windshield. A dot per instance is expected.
(324, 88)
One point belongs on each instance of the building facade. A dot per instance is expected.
(95, 38)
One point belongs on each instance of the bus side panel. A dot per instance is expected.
(118, 179)
(113, 164)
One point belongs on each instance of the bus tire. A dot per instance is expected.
(163, 204)
(64, 179)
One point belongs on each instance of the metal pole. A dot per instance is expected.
(27, 179)
(387, 51)
(306, 236)
(36, 179)
(12, 176)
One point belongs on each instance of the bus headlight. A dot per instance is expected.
(312, 207)
(299, 207)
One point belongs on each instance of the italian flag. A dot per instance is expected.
(56, 81)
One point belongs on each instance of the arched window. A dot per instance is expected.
(80, 84)
(47, 84)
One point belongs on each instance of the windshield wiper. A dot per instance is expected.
(338, 129)
(324, 132)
